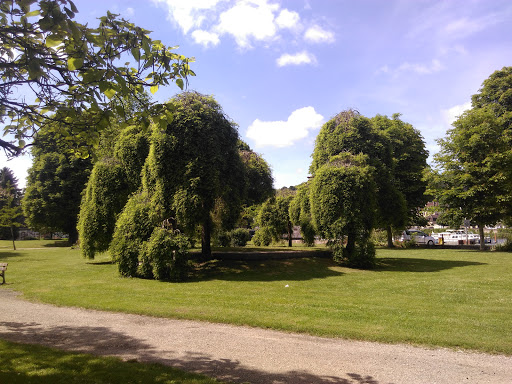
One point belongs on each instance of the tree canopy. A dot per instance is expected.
(475, 158)
(54, 185)
(194, 168)
(64, 67)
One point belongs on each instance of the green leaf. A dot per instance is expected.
(136, 53)
(75, 63)
(153, 89)
(53, 41)
(179, 83)
(33, 13)
(110, 93)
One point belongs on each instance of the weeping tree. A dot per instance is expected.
(112, 181)
(194, 170)
(300, 213)
(343, 197)
(351, 175)
(274, 220)
(188, 175)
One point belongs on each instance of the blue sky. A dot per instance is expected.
(280, 69)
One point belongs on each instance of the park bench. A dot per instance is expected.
(3, 268)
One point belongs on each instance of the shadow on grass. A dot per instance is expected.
(109, 262)
(58, 244)
(420, 265)
(265, 270)
(8, 255)
(45, 365)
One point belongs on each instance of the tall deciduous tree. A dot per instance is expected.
(11, 216)
(9, 184)
(194, 167)
(343, 194)
(475, 157)
(402, 189)
(10, 212)
(54, 185)
(64, 67)
(274, 218)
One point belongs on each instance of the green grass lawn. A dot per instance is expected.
(21, 364)
(433, 297)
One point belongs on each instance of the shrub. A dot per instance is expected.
(223, 239)
(133, 228)
(104, 198)
(362, 256)
(308, 232)
(263, 237)
(240, 237)
(166, 252)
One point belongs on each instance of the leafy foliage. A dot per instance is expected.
(54, 185)
(240, 237)
(274, 217)
(68, 67)
(194, 169)
(9, 188)
(300, 214)
(258, 176)
(165, 256)
(10, 211)
(105, 196)
(133, 228)
(343, 204)
(475, 158)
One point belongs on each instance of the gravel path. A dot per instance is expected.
(242, 354)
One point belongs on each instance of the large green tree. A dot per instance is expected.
(343, 196)
(9, 185)
(54, 185)
(475, 158)
(194, 168)
(274, 219)
(403, 186)
(113, 179)
(63, 67)
(11, 217)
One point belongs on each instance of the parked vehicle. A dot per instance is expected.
(456, 236)
(419, 237)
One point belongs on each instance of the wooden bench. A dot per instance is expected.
(3, 268)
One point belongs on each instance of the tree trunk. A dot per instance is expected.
(290, 233)
(351, 245)
(73, 236)
(13, 243)
(206, 249)
(482, 238)
(390, 237)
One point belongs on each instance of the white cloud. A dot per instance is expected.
(451, 114)
(205, 38)
(249, 20)
(189, 14)
(129, 12)
(466, 26)
(422, 69)
(317, 34)
(287, 19)
(418, 68)
(285, 133)
(300, 58)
